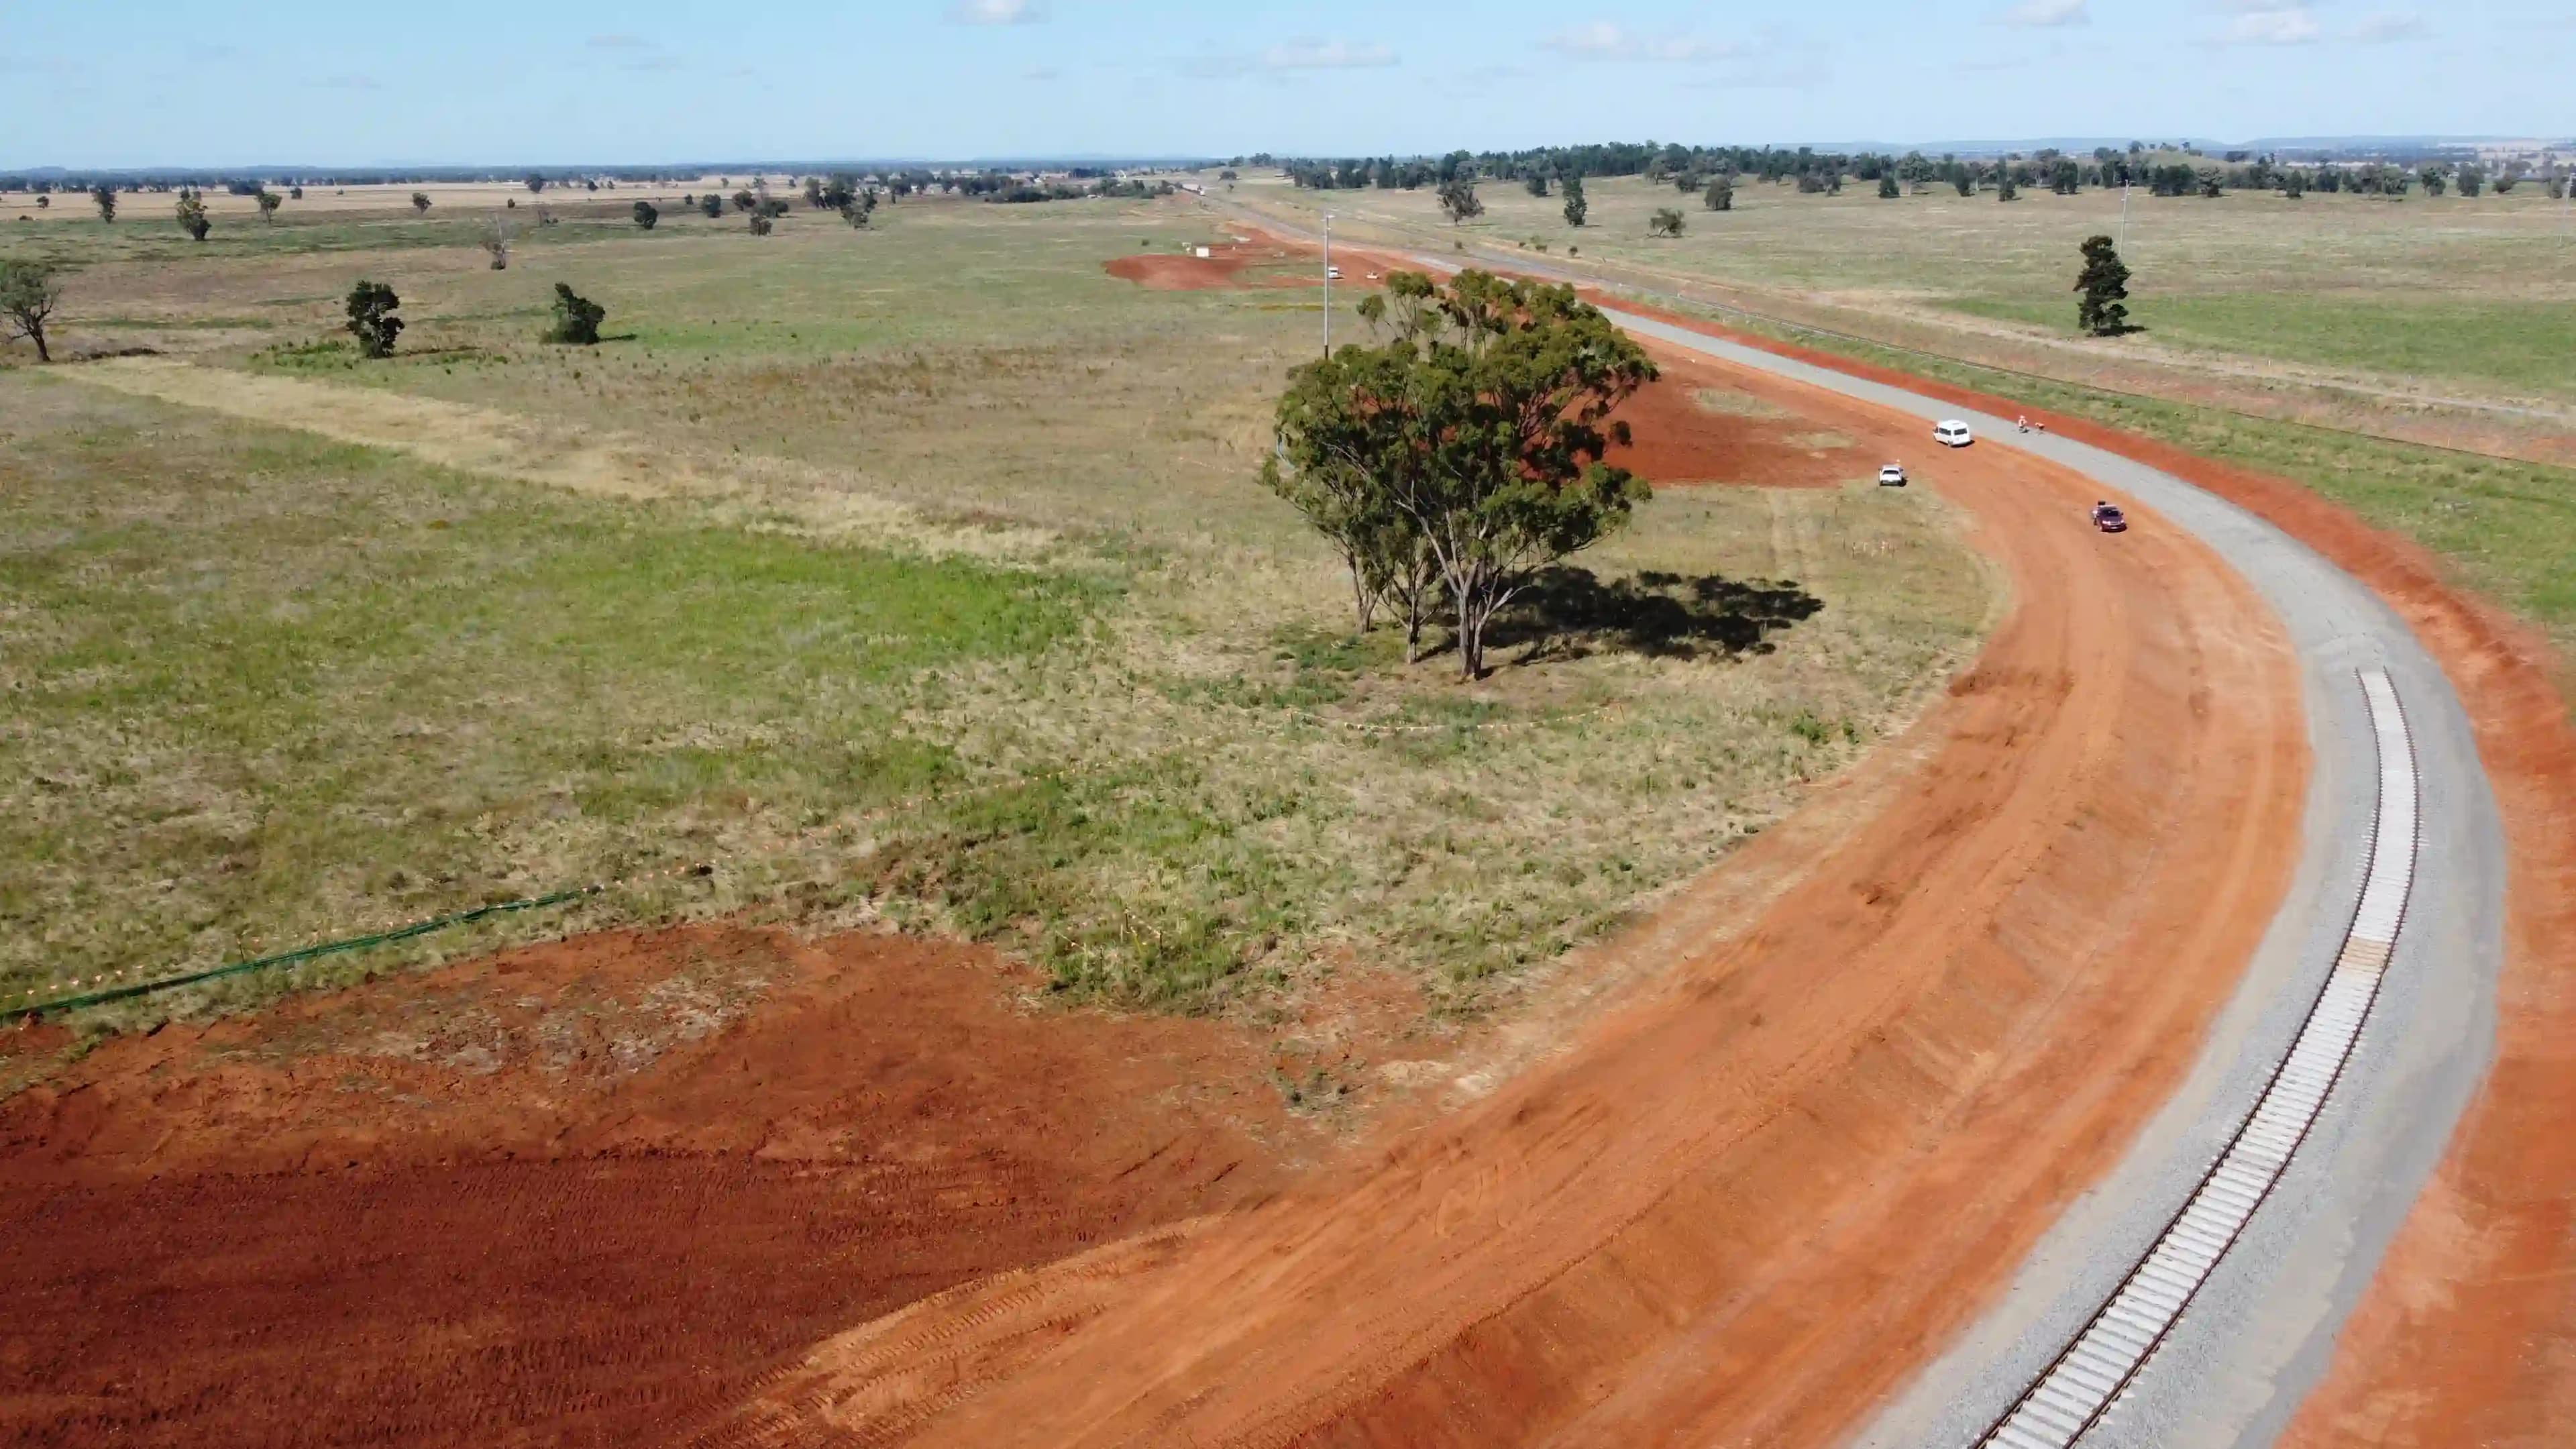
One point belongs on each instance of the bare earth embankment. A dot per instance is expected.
(1752, 1200)
(2468, 1332)
(578, 1193)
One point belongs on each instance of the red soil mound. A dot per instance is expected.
(1676, 438)
(1753, 1200)
(1163, 272)
(448, 1210)
(1226, 264)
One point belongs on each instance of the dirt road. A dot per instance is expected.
(1750, 1202)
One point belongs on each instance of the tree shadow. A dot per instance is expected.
(1569, 613)
(450, 353)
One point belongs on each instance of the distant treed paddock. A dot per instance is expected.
(265, 194)
(2177, 170)
(2162, 171)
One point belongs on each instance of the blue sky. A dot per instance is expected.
(170, 82)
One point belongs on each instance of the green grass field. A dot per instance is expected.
(2476, 295)
(267, 685)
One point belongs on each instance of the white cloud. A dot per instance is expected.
(2271, 22)
(2048, 14)
(997, 12)
(1288, 56)
(1770, 58)
(1325, 55)
(620, 42)
(2296, 22)
(1605, 40)
(1042, 73)
(2388, 25)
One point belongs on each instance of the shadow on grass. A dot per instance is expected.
(1569, 613)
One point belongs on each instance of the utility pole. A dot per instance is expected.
(2124, 215)
(1328, 284)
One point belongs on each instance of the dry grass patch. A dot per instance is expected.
(2472, 298)
(283, 685)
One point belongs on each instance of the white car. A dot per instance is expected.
(1952, 434)
(1332, 274)
(1891, 476)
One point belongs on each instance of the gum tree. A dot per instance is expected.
(1474, 438)
(29, 293)
(191, 211)
(1458, 199)
(577, 318)
(372, 320)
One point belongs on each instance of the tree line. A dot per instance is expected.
(2161, 171)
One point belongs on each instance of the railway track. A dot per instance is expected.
(2088, 1378)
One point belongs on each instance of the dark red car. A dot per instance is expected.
(2108, 518)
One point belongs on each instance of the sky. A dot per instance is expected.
(115, 83)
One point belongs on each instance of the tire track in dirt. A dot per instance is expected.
(1807, 1151)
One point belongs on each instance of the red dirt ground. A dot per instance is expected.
(1227, 262)
(1163, 272)
(577, 1194)
(1223, 267)
(1678, 440)
(1750, 1201)
(2468, 1332)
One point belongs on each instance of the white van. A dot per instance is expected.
(1952, 434)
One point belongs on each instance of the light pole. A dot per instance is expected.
(2124, 215)
(1328, 284)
